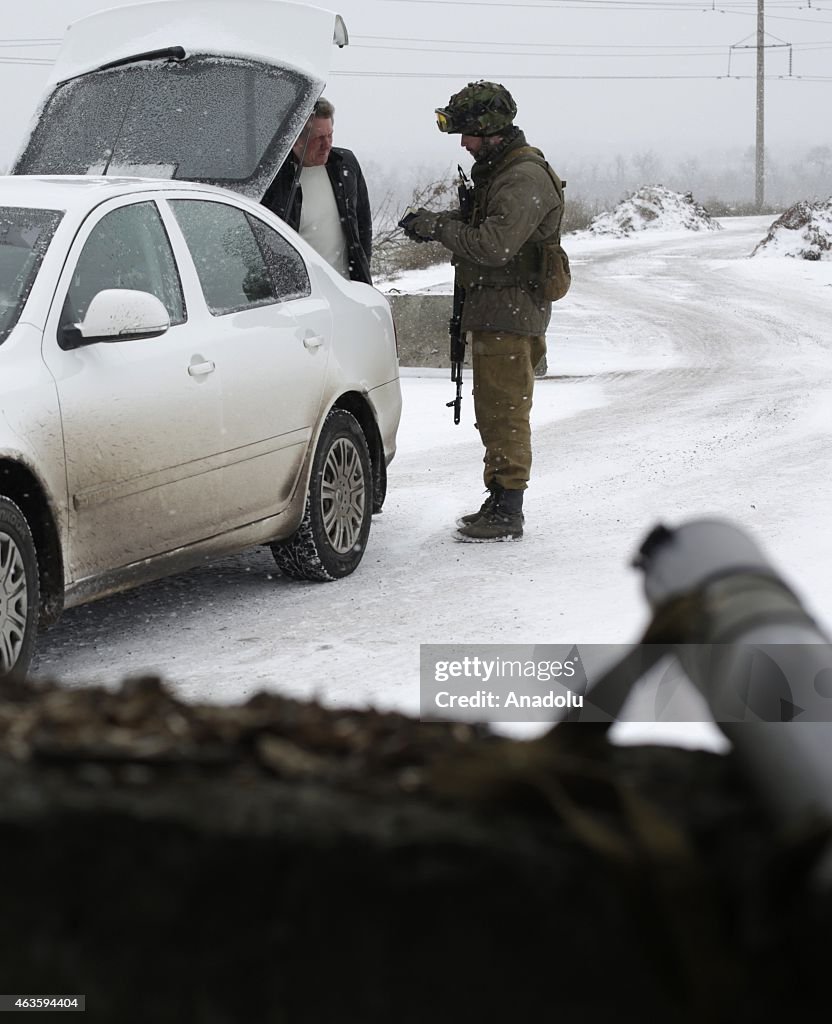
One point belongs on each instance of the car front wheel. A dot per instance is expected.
(19, 591)
(332, 536)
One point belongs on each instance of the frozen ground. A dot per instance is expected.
(687, 380)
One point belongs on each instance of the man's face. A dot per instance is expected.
(479, 146)
(318, 141)
(473, 143)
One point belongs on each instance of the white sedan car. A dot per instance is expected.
(181, 376)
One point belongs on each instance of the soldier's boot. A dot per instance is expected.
(503, 521)
(486, 506)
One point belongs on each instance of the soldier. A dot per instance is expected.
(499, 255)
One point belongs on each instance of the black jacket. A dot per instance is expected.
(351, 198)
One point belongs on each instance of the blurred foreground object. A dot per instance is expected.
(755, 654)
(283, 861)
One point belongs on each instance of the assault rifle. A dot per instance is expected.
(466, 204)
(457, 348)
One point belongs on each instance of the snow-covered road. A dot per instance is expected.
(688, 381)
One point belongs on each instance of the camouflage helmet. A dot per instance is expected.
(481, 108)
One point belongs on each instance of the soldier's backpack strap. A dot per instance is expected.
(533, 155)
(551, 263)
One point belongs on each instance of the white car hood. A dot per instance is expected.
(220, 95)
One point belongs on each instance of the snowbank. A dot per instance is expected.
(804, 232)
(654, 208)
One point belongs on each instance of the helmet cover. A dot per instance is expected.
(481, 108)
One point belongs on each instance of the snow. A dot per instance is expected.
(804, 232)
(437, 279)
(653, 208)
(686, 381)
(248, 29)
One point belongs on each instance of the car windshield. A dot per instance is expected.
(223, 120)
(24, 238)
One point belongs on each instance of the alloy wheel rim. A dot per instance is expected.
(342, 496)
(13, 602)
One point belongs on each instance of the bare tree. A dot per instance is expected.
(648, 166)
(392, 250)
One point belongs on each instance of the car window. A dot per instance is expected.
(128, 248)
(285, 263)
(231, 268)
(25, 235)
(206, 118)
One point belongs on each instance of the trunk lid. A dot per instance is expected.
(210, 91)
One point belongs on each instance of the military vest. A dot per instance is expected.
(540, 266)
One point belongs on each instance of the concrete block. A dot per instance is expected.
(422, 330)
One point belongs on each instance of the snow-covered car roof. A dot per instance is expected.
(209, 91)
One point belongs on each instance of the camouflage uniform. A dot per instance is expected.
(517, 204)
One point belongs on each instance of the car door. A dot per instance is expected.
(271, 336)
(141, 418)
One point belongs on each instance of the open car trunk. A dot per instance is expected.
(209, 92)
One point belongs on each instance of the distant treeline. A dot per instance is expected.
(722, 181)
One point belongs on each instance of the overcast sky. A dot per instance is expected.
(591, 77)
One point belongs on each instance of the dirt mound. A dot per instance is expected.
(654, 208)
(804, 232)
(283, 861)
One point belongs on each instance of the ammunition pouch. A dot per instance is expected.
(541, 268)
(556, 275)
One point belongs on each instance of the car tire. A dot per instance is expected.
(330, 541)
(379, 484)
(19, 591)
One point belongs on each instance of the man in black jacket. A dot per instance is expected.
(320, 192)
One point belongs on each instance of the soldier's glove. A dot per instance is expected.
(419, 225)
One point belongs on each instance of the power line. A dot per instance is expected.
(727, 6)
(579, 78)
(560, 51)
(548, 53)
(9, 43)
(35, 61)
(567, 46)
(738, 8)
(803, 21)
(17, 61)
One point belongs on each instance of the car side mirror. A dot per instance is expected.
(118, 314)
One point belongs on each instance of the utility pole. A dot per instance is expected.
(760, 46)
(761, 106)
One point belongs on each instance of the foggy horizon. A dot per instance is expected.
(593, 79)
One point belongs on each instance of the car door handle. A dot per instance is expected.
(200, 369)
(313, 341)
